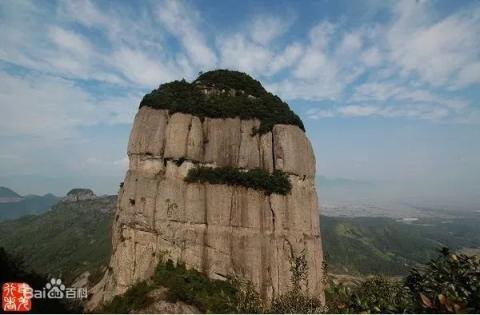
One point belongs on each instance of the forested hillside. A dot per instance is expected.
(71, 238)
(76, 236)
(368, 245)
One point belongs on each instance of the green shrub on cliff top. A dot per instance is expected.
(277, 182)
(226, 79)
(250, 100)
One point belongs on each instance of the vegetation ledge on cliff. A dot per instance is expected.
(223, 94)
(258, 179)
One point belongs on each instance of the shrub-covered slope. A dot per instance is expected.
(72, 238)
(446, 284)
(369, 245)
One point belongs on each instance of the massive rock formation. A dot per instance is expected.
(221, 230)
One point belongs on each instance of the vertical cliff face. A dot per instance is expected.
(219, 229)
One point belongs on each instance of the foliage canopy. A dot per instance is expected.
(449, 283)
(235, 94)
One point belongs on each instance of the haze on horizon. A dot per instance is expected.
(388, 91)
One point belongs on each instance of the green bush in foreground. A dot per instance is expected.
(258, 179)
(186, 285)
(194, 288)
(208, 295)
(375, 295)
(135, 298)
(296, 300)
(449, 283)
(185, 97)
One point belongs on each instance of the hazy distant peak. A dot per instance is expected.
(8, 193)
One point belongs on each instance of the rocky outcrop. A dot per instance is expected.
(79, 194)
(220, 230)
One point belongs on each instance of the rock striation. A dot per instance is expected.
(220, 230)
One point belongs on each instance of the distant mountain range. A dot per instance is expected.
(7, 193)
(13, 206)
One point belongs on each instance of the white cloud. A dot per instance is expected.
(51, 42)
(176, 18)
(408, 60)
(320, 113)
(351, 44)
(325, 68)
(266, 28)
(118, 166)
(315, 63)
(70, 42)
(468, 75)
(86, 13)
(239, 52)
(320, 35)
(356, 110)
(441, 52)
(422, 111)
(35, 42)
(410, 110)
(132, 28)
(292, 89)
(251, 49)
(435, 51)
(387, 91)
(286, 58)
(52, 108)
(377, 91)
(141, 69)
(371, 57)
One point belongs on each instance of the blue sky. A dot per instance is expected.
(388, 90)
